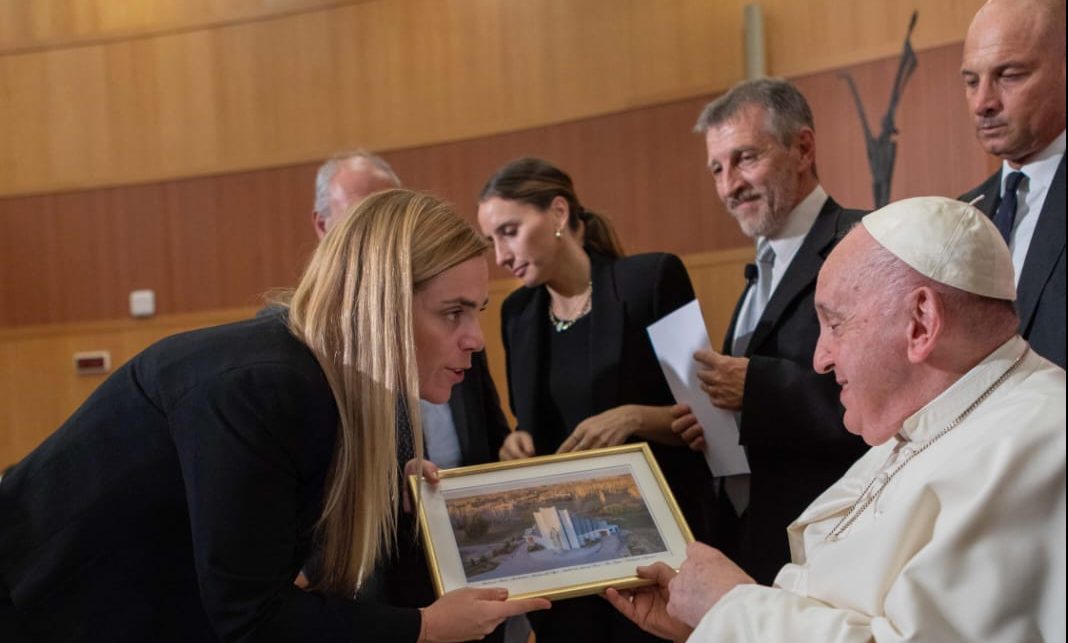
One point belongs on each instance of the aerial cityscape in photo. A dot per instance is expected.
(551, 524)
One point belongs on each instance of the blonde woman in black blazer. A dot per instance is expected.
(178, 503)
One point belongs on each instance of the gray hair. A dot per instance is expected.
(787, 109)
(329, 169)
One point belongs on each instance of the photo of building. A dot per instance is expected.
(560, 522)
(558, 530)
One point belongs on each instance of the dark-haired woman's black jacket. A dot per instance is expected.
(628, 294)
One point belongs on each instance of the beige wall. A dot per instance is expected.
(39, 390)
(218, 242)
(95, 96)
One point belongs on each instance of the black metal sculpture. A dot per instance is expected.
(883, 150)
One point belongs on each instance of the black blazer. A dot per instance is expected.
(177, 503)
(791, 419)
(481, 428)
(476, 412)
(628, 295)
(1040, 300)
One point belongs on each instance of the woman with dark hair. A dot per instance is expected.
(178, 503)
(581, 370)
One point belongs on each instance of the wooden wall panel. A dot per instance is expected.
(38, 387)
(39, 390)
(386, 74)
(936, 153)
(812, 35)
(47, 24)
(218, 242)
(201, 244)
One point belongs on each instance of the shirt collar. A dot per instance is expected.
(787, 241)
(1040, 171)
(937, 414)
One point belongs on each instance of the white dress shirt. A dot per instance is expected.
(785, 243)
(442, 443)
(1031, 195)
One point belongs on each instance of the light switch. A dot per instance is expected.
(142, 303)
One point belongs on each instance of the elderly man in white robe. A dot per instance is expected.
(952, 527)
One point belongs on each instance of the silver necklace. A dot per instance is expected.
(560, 325)
(871, 493)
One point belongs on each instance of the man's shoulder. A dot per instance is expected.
(987, 189)
(833, 223)
(982, 187)
(845, 217)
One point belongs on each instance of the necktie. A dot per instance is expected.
(757, 301)
(737, 487)
(1006, 213)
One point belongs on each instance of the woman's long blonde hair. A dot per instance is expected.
(353, 308)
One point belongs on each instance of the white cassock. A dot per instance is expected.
(965, 543)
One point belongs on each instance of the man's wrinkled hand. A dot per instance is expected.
(647, 606)
(722, 378)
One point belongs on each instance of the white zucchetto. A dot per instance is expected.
(948, 241)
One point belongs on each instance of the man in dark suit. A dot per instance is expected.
(1013, 74)
(762, 156)
(469, 429)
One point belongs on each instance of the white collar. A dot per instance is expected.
(1041, 169)
(787, 241)
(939, 412)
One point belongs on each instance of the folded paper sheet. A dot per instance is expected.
(675, 339)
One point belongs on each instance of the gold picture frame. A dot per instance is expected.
(556, 526)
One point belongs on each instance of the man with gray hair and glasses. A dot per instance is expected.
(952, 527)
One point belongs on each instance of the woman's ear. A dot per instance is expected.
(560, 211)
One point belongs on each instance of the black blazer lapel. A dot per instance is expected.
(606, 344)
(728, 341)
(802, 271)
(990, 190)
(526, 346)
(1047, 245)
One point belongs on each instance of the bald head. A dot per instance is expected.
(1014, 76)
(344, 182)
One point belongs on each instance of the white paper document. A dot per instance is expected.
(675, 339)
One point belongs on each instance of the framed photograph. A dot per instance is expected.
(557, 526)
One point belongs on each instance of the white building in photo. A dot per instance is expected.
(557, 530)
